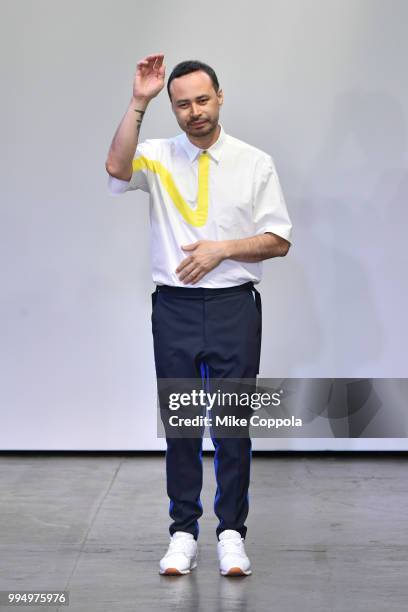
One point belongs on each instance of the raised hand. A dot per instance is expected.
(149, 77)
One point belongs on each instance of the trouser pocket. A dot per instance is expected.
(154, 298)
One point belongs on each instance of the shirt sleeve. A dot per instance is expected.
(269, 209)
(139, 178)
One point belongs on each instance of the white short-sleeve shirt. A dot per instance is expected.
(239, 196)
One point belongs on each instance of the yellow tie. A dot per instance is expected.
(202, 197)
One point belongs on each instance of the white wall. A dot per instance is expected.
(318, 84)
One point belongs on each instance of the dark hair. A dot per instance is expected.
(192, 66)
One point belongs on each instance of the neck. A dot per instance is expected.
(205, 141)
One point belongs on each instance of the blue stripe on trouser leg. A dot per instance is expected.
(192, 337)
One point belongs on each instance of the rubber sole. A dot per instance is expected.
(173, 571)
(236, 571)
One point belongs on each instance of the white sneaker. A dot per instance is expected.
(231, 554)
(181, 556)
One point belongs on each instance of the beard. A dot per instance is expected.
(202, 130)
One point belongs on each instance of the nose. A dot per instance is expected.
(195, 112)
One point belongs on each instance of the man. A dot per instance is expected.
(216, 211)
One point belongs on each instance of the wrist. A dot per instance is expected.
(227, 250)
(139, 102)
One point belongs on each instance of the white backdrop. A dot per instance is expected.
(318, 84)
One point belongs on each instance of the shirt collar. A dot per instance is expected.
(214, 151)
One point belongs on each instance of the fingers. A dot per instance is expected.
(158, 63)
(153, 56)
(184, 263)
(159, 59)
(151, 63)
(194, 277)
(191, 275)
(151, 59)
(190, 271)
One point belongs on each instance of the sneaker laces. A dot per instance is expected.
(178, 545)
(232, 545)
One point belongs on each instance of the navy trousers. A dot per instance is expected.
(217, 331)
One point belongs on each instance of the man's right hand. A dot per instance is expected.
(149, 77)
(148, 82)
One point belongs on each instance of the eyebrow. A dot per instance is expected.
(197, 98)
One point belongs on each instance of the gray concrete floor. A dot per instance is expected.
(325, 533)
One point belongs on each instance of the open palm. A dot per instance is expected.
(149, 77)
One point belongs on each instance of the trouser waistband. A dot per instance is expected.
(205, 291)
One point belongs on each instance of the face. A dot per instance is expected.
(193, 100)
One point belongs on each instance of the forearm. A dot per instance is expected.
(256, 248)
(124, 143)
